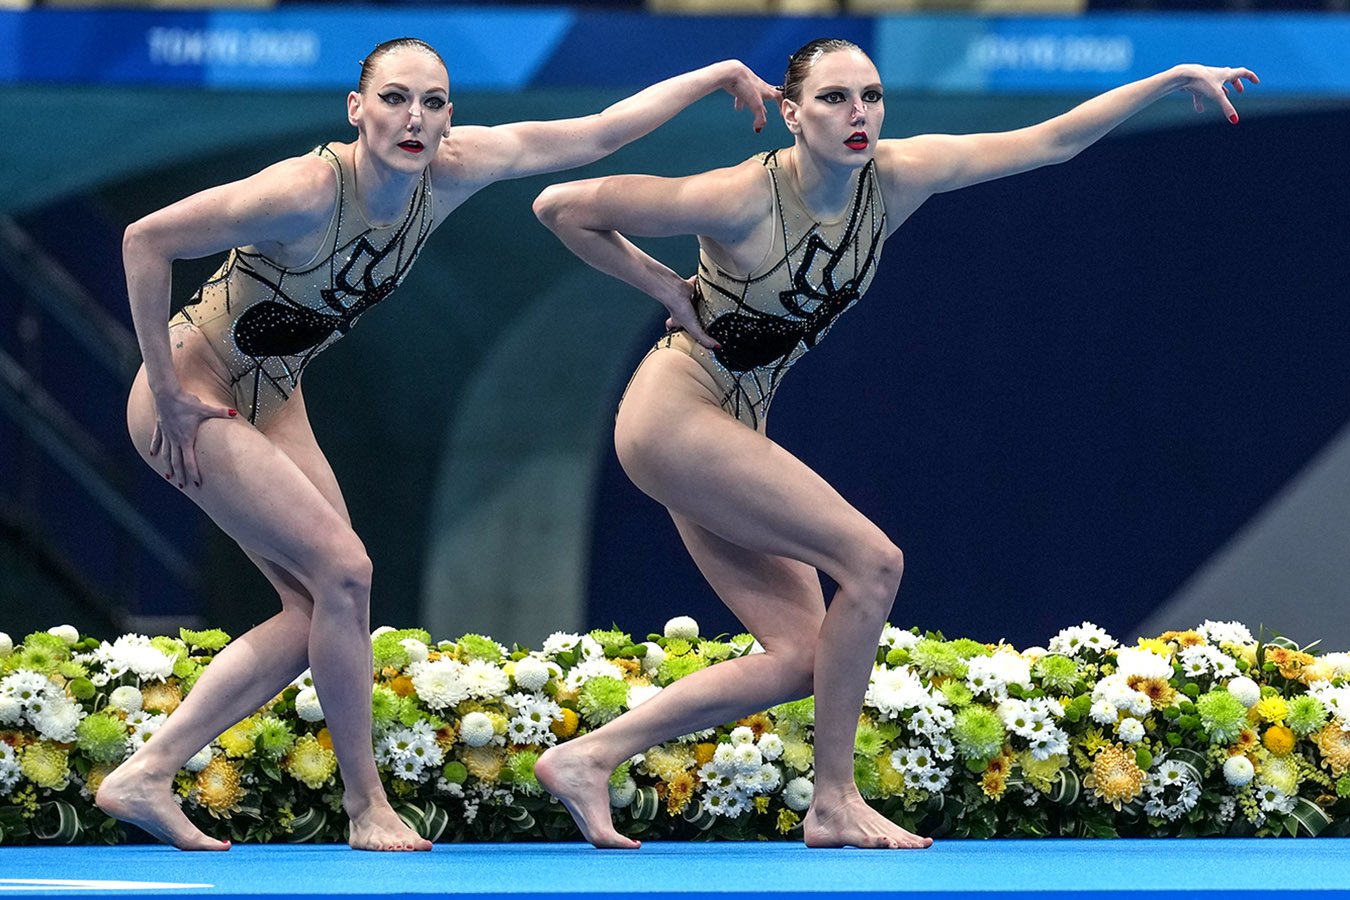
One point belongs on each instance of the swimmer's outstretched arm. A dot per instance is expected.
(475, 156)
(932, 163)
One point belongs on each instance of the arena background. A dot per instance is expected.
(1113, 390)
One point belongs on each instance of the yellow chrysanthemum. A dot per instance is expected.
(1278, 740)
(403, 686)
(163, 696)
(1289, 662)
(703, 753)
(678, 792)
(94, 779)
(798, 754)
(1246, 741)
(995, 779)
(1158, 646)
(1115, 778)
(45, 764)
(325, 739)
(1041, 772)
(632, 668)
(1182, 639)
(1093, 740)
(566, 724)
(1281, 774)
(761, 803)
(219, 788)
(1271, 709)
(759, 723)
(787, 820)
(1158, 690)
(483, 763)
(891, 781)
(1334, 742)
(666, 763)
(1319, 670)
(237, 740)
(309, 762)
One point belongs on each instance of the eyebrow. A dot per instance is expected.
(397, 86)
(876, 85)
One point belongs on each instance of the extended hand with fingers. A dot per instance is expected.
(175, 436)
(751, 92)
(1212, 82)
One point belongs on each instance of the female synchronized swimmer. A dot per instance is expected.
(218, 408)
(788, 240)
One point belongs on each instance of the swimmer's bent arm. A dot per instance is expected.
(481, 155)
(724, 207)
(286, 202)
(935, 163)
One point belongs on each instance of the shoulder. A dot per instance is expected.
(743, 192)
(300, 186)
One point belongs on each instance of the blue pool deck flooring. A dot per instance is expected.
(1058, 869)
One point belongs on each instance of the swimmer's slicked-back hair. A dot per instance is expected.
(800, 63)
(373, 57)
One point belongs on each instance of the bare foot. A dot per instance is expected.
(378, 827)
(852, 823)
(582, 784)
(147, 802)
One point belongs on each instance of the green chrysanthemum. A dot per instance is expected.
(868, 742)
(620, 774)
(311, 762)
(1343, 786)
(50, 643)
(969, 649)
(1057, 674)
(384, 706)
(795, 715)
(455, 772)
(897, 656)
(102, 737)
(386, 649)
(1306, 715)
(81, 688)
(602, 699)
(212, 639)
(520, 767)
(715, 650)
(476, 646)
(677, 646)
(978, 733)
(673, 668)
(46, 765)
(868, 777)
(170, 647)
(612, 639)
(70, 670)
(274, 736)
(957, 693)
(743, 640)
(1222, 715)
(934, 657)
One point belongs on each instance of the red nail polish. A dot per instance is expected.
(759, 129)
(234, 412)
(1233, 118)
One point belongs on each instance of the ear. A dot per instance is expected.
(449, 114)
(790, 110)
(354, 109)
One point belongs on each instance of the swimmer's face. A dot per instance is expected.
(839, 112)
(404, 112)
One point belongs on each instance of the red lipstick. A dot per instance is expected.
(857, 141)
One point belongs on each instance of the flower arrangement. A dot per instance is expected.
(1191, 733)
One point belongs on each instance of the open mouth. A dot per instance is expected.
(412, 146)
(856, 141)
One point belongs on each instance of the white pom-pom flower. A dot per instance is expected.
(1246, 691)
(476, 730)
(10, 710)
(68, 633)
(682, 627)
(126, 698)
(742, 735)
(654, 657)
(797, 795)
(1238, 771)
(622, 794)
(1130, 730)
(6, 645)
(770, 746)
(307, 705)
(199, 760)
(416, 650)
(383, 629)
(531, 674)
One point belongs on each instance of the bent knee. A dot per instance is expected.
(877, 570)
(344, 574)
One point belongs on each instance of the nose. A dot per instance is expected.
(859, 111)
(414, 117)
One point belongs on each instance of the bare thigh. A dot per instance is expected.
(683, 450)
(778, 600)
(273, 493)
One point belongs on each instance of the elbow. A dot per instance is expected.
(133, 238)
